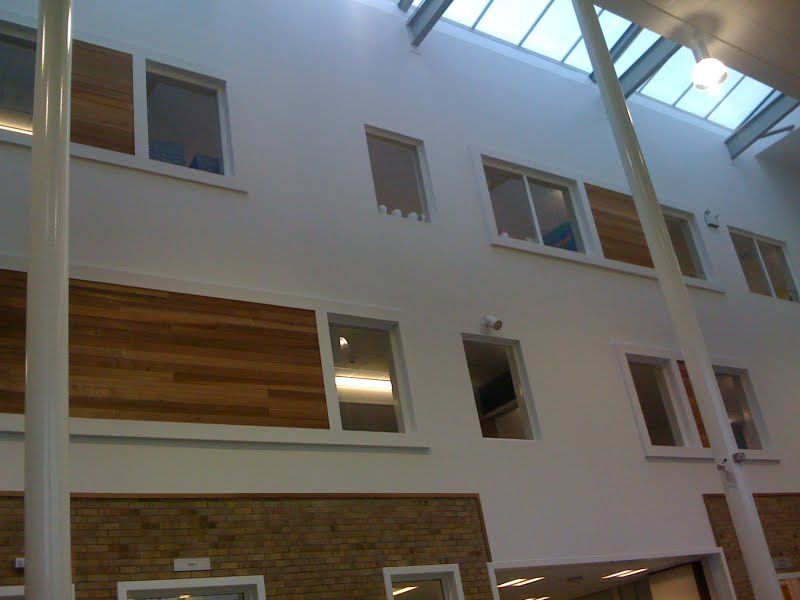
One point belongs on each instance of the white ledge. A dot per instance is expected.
(136, 163)
(234, 434)
(597, 261)
(704, 454)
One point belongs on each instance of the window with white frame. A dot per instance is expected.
(532, 207)
(434, 582)
(398, 174)
(499, 387)
(733, 387)
(367, 363)
(17, 70)
(185, 119)
(683, 242)
(210, 588)
(650, 379)
(765, 266)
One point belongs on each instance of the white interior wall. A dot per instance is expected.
(304, 77)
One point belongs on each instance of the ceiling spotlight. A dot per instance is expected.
(708, 73)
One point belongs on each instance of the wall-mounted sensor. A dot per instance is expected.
(492, 323)
(712, 220)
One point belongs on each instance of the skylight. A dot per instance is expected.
(549, 28)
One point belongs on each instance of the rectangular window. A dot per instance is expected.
(622, 237)
(207, 588)
(765, 267)
(366, 375)
(184, 120)
(17, 70)
(655, 401)
(498, 388)
(737, 405)
(435, 582)
(532, 209)
(397, 175)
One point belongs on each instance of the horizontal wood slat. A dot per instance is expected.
(102, 98)
(618, 226)
(161, 356)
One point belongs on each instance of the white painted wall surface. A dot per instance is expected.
(304, 77)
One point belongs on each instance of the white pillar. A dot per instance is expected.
(48, 566)
(737, 490)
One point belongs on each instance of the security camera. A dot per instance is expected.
(492, 323)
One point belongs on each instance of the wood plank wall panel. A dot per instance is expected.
(160, 356)
(312, 547)
(102, 98)
(698, 418)
(618, 226)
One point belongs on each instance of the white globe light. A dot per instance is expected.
(709, 73)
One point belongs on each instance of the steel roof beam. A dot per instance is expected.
(425, 17)
(647, 65)
(759, 124)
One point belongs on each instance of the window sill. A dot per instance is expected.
(597, 261)
(136, 163)
(704, 454)
(233, 434)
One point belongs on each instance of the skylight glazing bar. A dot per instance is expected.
(647, 65)
(754, 128)
(686, 91)
(536, 22)
(426, 16)
(483, 12)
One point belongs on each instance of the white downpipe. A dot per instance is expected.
(48, 565)
(687, 328)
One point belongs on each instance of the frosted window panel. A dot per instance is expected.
(701, 102)
(465, 12)
(740, 103)
(638, 47)
(672, 79)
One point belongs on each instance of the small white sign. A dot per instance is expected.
(192, 564)
(19, 563)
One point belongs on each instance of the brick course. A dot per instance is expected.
(312, 547)
(780, 517)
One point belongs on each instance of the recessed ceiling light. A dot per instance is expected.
(527, 581)
(512, 582)
(363, 384)
(404, 590)
(634, 572)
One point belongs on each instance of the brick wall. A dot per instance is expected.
(310, 547)
(780, 517)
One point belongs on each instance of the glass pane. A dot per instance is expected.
(17, 71)
(659, 415)
(512, 212)
(738, 408)
(556, 33)
(397, 177)
(700, 102)
(639, 46)
(465, 12)
(510, 20)
(201, 596)
(494, 388)
(365, 381)
(778, 270)
(430, 589)
(683, 244)
(613, 27)
(557, 222)
(671, 80)
(740, 103)
(751, 264)
(184, 124)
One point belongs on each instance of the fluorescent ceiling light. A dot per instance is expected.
(364, 385)
(15, 129)
(635, 572)
(511, 582)
(625, 573)
(404, 590)
(527, 581)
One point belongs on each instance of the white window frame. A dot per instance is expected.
(406, 423)
(205, 81)
(425, 183)
(786, 256)
(251, 586)
(700, 250)
(17, 592)
(23, 34)
(519, 376)
(692, 447)
(448, 574)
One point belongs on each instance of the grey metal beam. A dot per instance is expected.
(404, 5)
(647, 64)
(758, 125)
(426, 16)
(622, 44)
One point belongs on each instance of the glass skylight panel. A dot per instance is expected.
(701, 102)
(634, 52)
(556, 33)
(579, 58)
(613, 27)
(466, 12)
(672, 79)
(740, 103)
(510, 20)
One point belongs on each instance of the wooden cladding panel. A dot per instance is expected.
(618, 226)
(161, 356)
(102, 98)
(698, 418)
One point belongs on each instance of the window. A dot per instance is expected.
(17, 69)
(622, 237)
(765, 267)
(498, 387)
(14, 592)
(532, 209)
(367, 383)
(737, 405)
(209, 588)
(436, 582)
(184, 120)
(397, 173)
(655, 401)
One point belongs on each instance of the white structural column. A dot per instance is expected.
(48, 565)
(701, 371)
